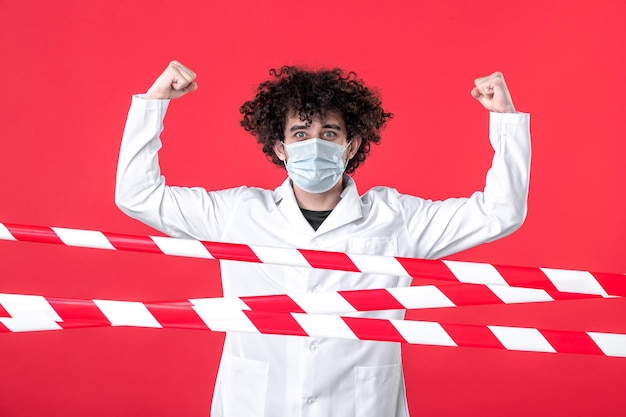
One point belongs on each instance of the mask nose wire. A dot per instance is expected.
(344, 149)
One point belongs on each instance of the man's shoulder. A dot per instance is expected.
(378, 195)
(380, 191)
(251, 194)
(249, 191)
(390, 196)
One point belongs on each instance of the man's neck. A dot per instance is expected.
(321, 201)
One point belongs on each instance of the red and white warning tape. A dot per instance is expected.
(549, 279)
(32, 313)
(305, 314)
(409, 298)
(334, 302)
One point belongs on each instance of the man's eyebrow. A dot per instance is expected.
(298, 127)
(305, 127)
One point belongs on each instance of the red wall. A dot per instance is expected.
(68, 69)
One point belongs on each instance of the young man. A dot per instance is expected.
(317, 124)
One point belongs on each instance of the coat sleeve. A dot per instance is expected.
(141, 191)
(441, 228)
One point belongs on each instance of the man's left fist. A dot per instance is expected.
(493, 94)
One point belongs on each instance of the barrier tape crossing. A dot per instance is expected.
(304, 315)
(549, 279)
(35, 313)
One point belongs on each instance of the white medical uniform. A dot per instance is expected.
(289, 376)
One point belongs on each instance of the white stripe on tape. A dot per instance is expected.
(512, 295)
(29, 325)
(319, 303)
(518, 338)
(324, 326)
(181, 247)
(28, 306)
(426, 296)
(280, 256)
(28, 313)
(475, 273)
(610, 344)
(374, 264)
(127, 313)
(5, 234)
(236, 321)
(574, 281)
(83, 238)
(423, 332)
(218, 308)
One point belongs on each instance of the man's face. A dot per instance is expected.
(332, 128)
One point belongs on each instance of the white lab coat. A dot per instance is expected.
(274, 376)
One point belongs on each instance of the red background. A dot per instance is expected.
(68, 69)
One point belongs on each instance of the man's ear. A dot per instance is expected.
(355, 143)
(279, 150)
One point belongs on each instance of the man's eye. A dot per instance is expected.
(329, 134)
(300, 135)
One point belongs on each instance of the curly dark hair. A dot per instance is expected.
(314, 94)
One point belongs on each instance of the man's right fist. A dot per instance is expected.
(176, 81)
(493, 93)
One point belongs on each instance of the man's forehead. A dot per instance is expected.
(295, 117)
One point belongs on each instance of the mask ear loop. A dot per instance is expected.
(349, 157)
(345, 164)
(285, 152)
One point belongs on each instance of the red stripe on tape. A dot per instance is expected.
(231, 251)
(276, 303)
(3, 312)
(33, 233)
(366, 300)
(613, 284)
(329, 260)
(472, 336)
(178, 314)
(463, 295)
(275, 323)
(571, 342)
(517, 276)
(73, 312)
(427, 269)
(558, 296)
(132, 243)
(378, 330)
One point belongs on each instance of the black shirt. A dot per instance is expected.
(315, 218)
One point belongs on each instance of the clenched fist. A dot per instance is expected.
(176, 81)
(493, 94)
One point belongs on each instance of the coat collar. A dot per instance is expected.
(347, 210)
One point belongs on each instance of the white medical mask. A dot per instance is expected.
(315, 165)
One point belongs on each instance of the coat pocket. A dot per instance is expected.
(243, 386)
(377, 387)
(387, 246)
